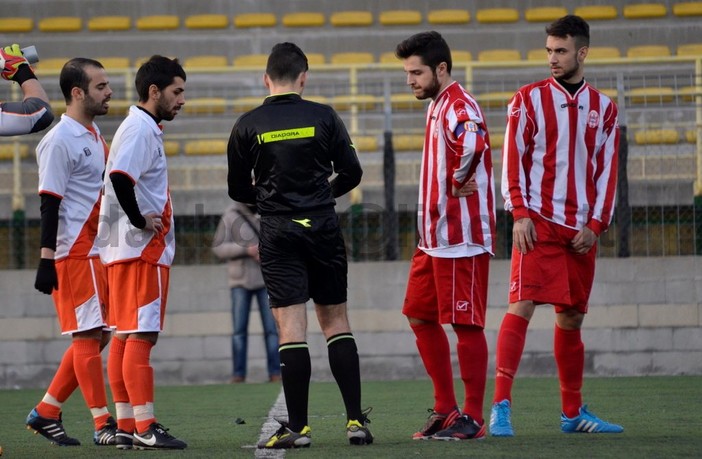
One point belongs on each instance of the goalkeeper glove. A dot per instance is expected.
(11, 58)
(46, 280)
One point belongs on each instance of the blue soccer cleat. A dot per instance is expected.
(587, 422)
(501, 420)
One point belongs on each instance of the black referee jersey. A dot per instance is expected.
(293, 146)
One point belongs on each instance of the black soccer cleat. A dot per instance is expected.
(51, 429)
(157, 437)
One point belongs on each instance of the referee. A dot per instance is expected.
(293, 146)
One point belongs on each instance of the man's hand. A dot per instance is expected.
(46, 280)
(11, 58)
(153, 223)
(523, 235)
(583, 241)
(466, 190)
(252, 250)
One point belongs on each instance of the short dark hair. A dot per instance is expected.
(158, 70)
(429, 46)
(571, 25)
(286, 62)
(73, 75)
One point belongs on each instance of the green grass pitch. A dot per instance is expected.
(662, 417)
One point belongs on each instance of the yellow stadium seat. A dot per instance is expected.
(249, 20)
(16, 25)
(361, 101)
(158, 22)
(206, 147)
(112, 63)
(316, 98)
(61, 24)
(120, 107)
(172, 147)
(448, 16)
(109, 23)
(544, 13)
(408, 142)
(497, 15)
(651, 95)
(537, 54)
(400, 17)
(352, 58)
(389, 57)
(195, 62)
(687, 9)
(644, 11)
(499, 55)
(691, 135)
(688, 93)
(461, 56)
(306, 19)
(251, 60)
(648, 51)
(316, 59)
(7, 151)
(207, 21)
(596, 12)
(244, 104)
(656, 136)
(365, 143)
(609, 92)
(58, 107)
(406, 101)
(603, 52)
(351, 19)
(690, 49)
(494, 99)
(52, 63)
(205, 105)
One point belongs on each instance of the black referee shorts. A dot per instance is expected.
(303, 257)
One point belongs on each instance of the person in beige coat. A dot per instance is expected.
(236, 242)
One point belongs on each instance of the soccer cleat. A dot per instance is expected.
(123, 439)
(587, 422)
(435, 422)
(106, 435)
(357, 430)
(501, 419)
(51, 429)
(285, 438)
(463, 428)
(157, 437)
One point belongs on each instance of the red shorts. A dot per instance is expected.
(448, 290)
(139, 292)
(81, 300)
(553, 273)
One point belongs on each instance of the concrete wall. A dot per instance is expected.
(645, 319)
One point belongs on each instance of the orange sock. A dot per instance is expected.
(123, 409)
(87, 363)
(61, 387)
(138, 378)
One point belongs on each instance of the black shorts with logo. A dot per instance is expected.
(303, 257)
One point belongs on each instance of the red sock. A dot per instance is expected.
(435, 352)
(510, 345)
(120, 395)
(87, 363)
(61, 387)
(473, 360)
(569, 350)
(138, 378)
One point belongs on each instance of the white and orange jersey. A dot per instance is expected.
(456, 145)
(137, 152)
(71, 161)
(560, 155)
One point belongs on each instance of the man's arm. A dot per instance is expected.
(46, 279)
(239, 183)
(346, 163)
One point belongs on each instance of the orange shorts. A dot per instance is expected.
(448, 290)
(81, 300)
(138, 291)
(553, 273)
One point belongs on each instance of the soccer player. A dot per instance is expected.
(33, 113)
(71, 159)
(293, 146)
(558, 180)
(448, 277)
(137, 245)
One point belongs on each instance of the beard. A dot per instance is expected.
(95, 108)
(570, 72)
(430, 91)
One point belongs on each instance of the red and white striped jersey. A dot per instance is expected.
(456, 144)
(71, 161)
(560, 155)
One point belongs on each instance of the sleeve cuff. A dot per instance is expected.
(520, 212)
(596, 227)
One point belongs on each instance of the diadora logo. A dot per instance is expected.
(512, 286)
(462, 305)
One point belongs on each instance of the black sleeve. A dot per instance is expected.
(49, 220)
(346, 163)
(240, 186)
(124, 190)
